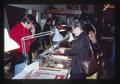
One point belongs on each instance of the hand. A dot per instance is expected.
(92, 37)
(61, 50)
(32, 29)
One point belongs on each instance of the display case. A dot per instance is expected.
(47, 65)
(54, 66)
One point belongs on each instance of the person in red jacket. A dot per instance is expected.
(23, 28)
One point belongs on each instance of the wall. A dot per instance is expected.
(14, 15)
(29, 6)
(90, 9)
(6, 25)
(42, 7)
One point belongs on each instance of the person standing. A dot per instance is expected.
(91, 32)
(47, 27)
(80, 49)
(23, 28)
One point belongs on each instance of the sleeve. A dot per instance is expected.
(80, 48)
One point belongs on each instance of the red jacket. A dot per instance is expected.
(17, 32)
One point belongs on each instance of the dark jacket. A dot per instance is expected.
(45, 29)
(16, 33)
(80, 50)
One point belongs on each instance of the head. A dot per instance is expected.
(91, 32)
(77, 27)
(89, 29)
(75, 19)
(28, 21)
(49, 21)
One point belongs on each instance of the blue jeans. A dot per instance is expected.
(19, 67)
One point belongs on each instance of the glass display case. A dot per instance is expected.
(47, 65)
(53, 67)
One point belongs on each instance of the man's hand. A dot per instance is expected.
(61, 50)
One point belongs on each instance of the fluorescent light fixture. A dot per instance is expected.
(10, 44)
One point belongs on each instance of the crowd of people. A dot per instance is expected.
(84, 34)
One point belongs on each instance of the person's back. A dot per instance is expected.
(17, 32)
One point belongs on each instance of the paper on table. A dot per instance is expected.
(60, 57)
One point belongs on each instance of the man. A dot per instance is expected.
(80, 50)
(23, 28)
(47, 27)
(91, 32)
(95, 43)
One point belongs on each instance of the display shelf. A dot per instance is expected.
(62, 11)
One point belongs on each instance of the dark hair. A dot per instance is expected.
(49, 20)
(77, 23)
(88, 27)
(28, 18)
(38, 28)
